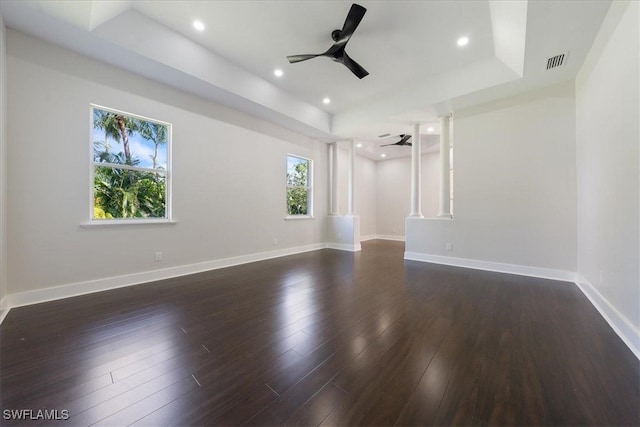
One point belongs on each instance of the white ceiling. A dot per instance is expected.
(417, 71)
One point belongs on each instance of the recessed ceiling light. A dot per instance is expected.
(429, 129)
(278, 72)
(383, 155)
(326, 100)
(359, 144)
(463, 41)
(198, 25)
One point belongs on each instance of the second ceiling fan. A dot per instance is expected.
(403, 141)
(341, 37)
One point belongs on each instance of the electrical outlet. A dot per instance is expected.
(158, 257)
(449, 246)
(275, 241)
(339, 235)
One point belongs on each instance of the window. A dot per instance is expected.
(130, 167)
(299, 200)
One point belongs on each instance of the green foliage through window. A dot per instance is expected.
(130, 160)
(298, 186)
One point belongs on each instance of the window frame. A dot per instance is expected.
(168, 173)
(308, 187)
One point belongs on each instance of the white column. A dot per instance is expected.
(352, 173)
(416, 159)
(333, 179)
(445, 204)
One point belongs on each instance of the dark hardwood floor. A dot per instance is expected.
(322, 338)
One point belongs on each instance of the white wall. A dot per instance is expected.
(394, 192)
(430, 185)
(3, 166)
(514, 185)
(343, 179)
(365, 187)
(364, 202)
(393, 195)
(607, 117)
(228, 175)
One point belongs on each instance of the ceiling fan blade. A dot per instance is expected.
(354, 66)
(298, 58)
(386, 145)
(356, 13)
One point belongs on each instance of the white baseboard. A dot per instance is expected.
(344, 247)
(382, 237)
(522, 270)
(627, 332)
(620, 324)
(91, 286)
(4, 308)
(397, 238)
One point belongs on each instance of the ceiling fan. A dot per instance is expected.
(341, 37)
(403, 141)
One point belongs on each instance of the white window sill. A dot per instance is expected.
(99, 223)
(294, 217)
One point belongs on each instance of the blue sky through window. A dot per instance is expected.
(292, 162)
(141, 148)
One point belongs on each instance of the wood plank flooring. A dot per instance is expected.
(322, 338)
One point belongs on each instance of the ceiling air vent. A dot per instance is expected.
(557, 61)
